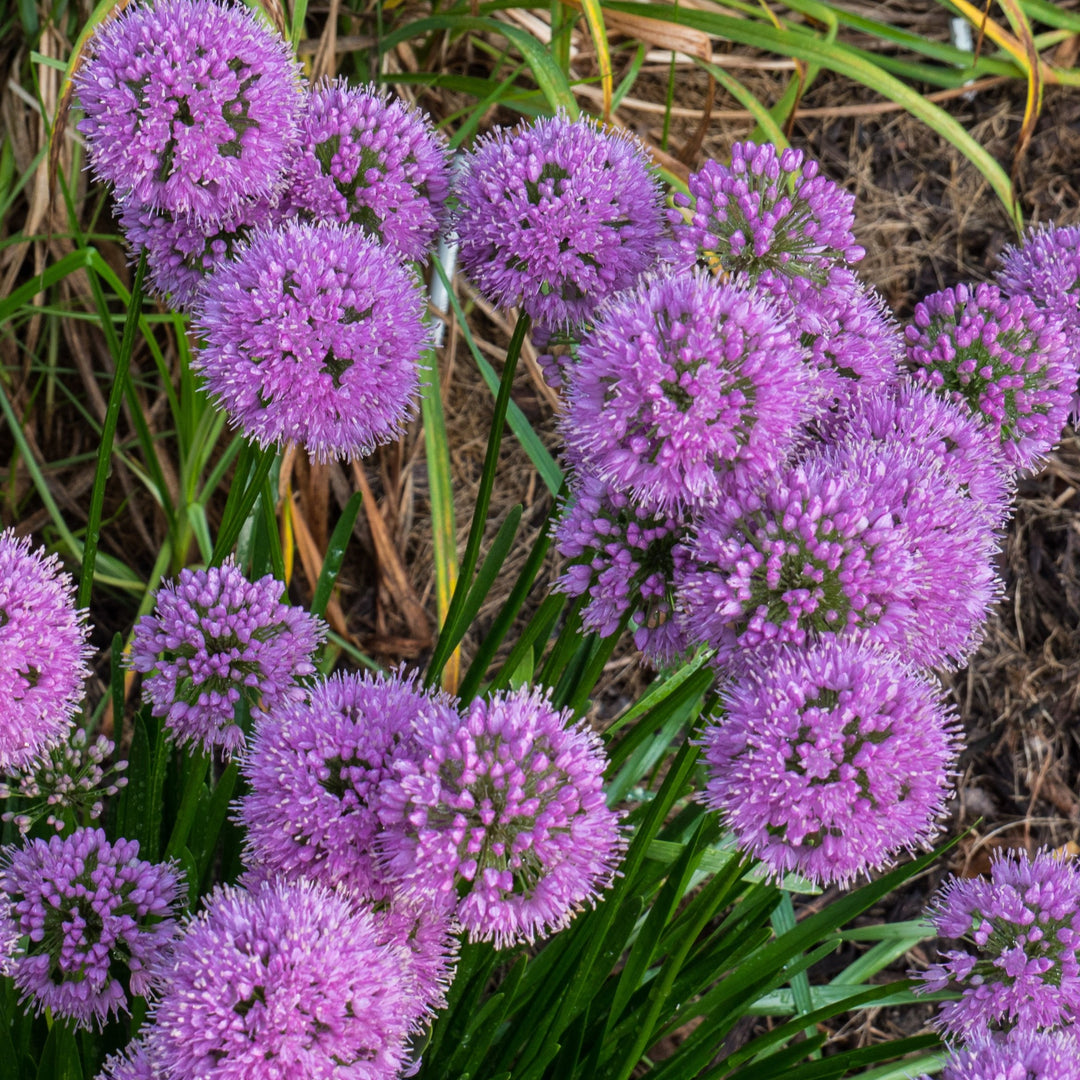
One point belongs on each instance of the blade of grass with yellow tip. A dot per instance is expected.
(1021, 27)
(594, 19)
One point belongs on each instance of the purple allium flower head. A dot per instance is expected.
(1008, 362)
(951, 581)
(314, 333)
(831, 759)
(1024, 1054)
(71, 781)
(213, 637)
(686, 389)
(182, 249)
(627, 562)
(913, 416)
(428, 934)
(507, 805)
(1046, 269)
(315, 770)
(371, 162)
(135, 1063)
(556, 216)
(287, 981)
(816, 553)
(190, 105)
(43, 652)
(1024, 924)
(82, 904)
(853, 340)
(766, 211)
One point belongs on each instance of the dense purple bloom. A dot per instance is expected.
(1046, 269)
(315, 769)
(1024, 923)
(766, 212)
(1008, 362)
(685, 389)
(852, 338)
(428, 934)
(628, 558)
(556, 216)
(912, 416)
(215, 637)
(71, 781)
(190, 106)
(830, 760)
(135, 1063)
(371, 162)
(1021, 1055)
(951, 582)
(43, 652)
(288, 981)
(83, 904)
(505, 805)
(314, 333)
(815, 553)
(182, 249)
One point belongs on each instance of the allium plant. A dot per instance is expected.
(685, 389)
(627, 559)
(1022, 967)
(502, 813)
(1046, 269)
(316, 768)
(191, 106)
(287, 981)
(313, 334)
(81, 906)
(371, 162)
(134, 1063)
(556, 216)
(43, 652)
(73, 781)
(1024, 1054)
(213, 638)
(766, 211)
(428, 934)
(1007, 362)
(830, 760)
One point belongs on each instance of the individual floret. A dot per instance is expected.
(82, 907)
(1024, 925)
(215, 637)
(314, 334)
(191, 106)
(371, 162)
(290, 980)
(830, 760)
(43, 652)
(502, 812)
(1006, 361)
(315, 770)
(685, 390)
(766, 211)
(557, 215)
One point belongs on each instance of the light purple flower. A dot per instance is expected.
(371, 162)
(1024, 925)
(503, 812)
(627, 560)
(1046, 269)
(766, 211)
(82, 904)
(1020, 1055)
(814, 553)
(215, 637)
(315, 770)
(853, 339)
(951, 585)
(830, 760)
(182, 249)
(314, 333)
(43, 652)
(1007, 362)
(911, 415)
(557, 215)
(428, 935)
(190, 105)
(135, 1063)
(685, 390)
(288, 981)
